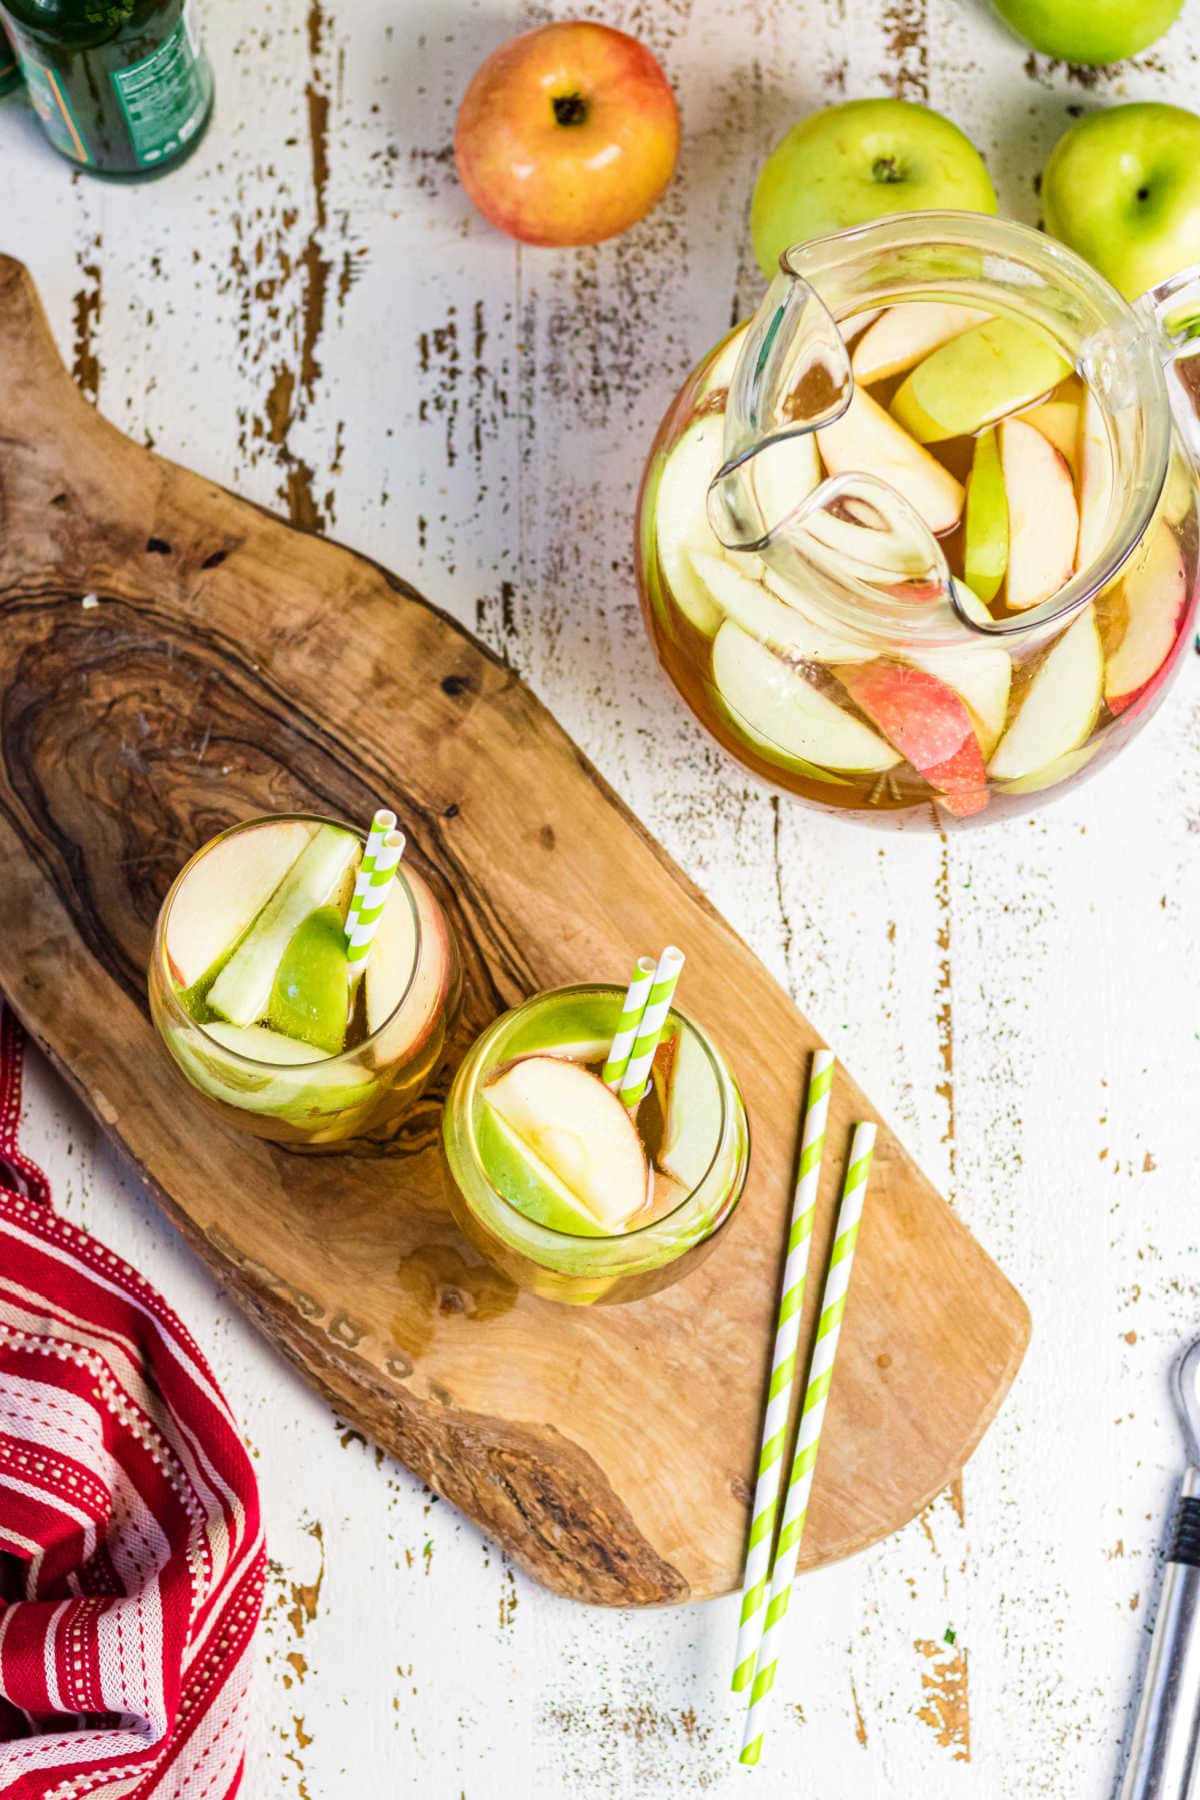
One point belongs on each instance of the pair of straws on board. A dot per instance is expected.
(641, 1025)
(372, 885)
(771, 1563)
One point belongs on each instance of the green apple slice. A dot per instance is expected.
(905, 333)
(1043, 519)
(1060, 770)
(528, 1184)
(993, 369)
(980, 673)
(579, 1130)
(866, 440)
(309, 996)
(1059, 706)
(259, 1044)
(985, 552)
(783, 474)
(580, 1028)
(224, 893)
(681, 518)
(242, 990)
(769, 617)
(782, 708)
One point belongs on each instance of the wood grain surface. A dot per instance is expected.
(172, 659)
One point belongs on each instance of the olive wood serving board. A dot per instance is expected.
(173, 659)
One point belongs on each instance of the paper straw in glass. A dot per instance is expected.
(382, 823)
(773, 1444)
(636, 996)
(808, 1437)
(362, 925)
(637, 1070)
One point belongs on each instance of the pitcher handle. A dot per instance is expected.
(1170, 312)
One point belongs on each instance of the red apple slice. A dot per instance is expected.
(868, 440)
(1152, 597)
(929, 724)
(980, 672)
(904, 333)
(1059, 706)
(579, 1130)
(225, 893)
(1043, 520)
(1095, 464)
(402, 1003)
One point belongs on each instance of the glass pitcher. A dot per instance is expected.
(919, 541)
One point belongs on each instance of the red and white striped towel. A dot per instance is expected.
(131, 1549)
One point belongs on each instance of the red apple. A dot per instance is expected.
(567, 134)
(929, 725)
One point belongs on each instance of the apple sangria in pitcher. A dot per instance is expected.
(596, 1143)
(304, 980)
(920, 540)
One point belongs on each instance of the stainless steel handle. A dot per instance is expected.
(1164, 1757)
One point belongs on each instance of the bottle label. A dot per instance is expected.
(53, 108)
(165, 96)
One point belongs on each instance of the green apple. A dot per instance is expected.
(1089, 31)
(860, 161)
(985, 553)
(1122, 188)
(976, 378)
(309, 994)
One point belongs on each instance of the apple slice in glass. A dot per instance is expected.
(579, 1130)
(1059, 706)
(404, 1004)
(242, 990)
(903, 335)
(1043, 519)
(1149, 603)
(773, 704)
(929, 725)
(223, 895)
(867, 440)
(978, 377)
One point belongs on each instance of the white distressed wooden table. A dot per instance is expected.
(310, 312)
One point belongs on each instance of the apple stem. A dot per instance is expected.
(569, 109)
(885, 169)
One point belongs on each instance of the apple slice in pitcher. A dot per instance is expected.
(980, 673)
(775, 707)
(1095, 464)
(979, 376)
(681, 518)
(929, 725)
(867, 440)
(1149, 603)
(1043, 519)
(224, 894)
(903, 335)
(985, 545)
(1058, 419)
(1059, 706)
(719, 374)
(767, 615)
(578, 1130)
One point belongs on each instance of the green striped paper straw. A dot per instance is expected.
(383, 822)
(636, 996)
(808, 1437)
(637, 1069)
(362, 925)
(773, 1443)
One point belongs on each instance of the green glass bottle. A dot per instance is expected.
(122, 87)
